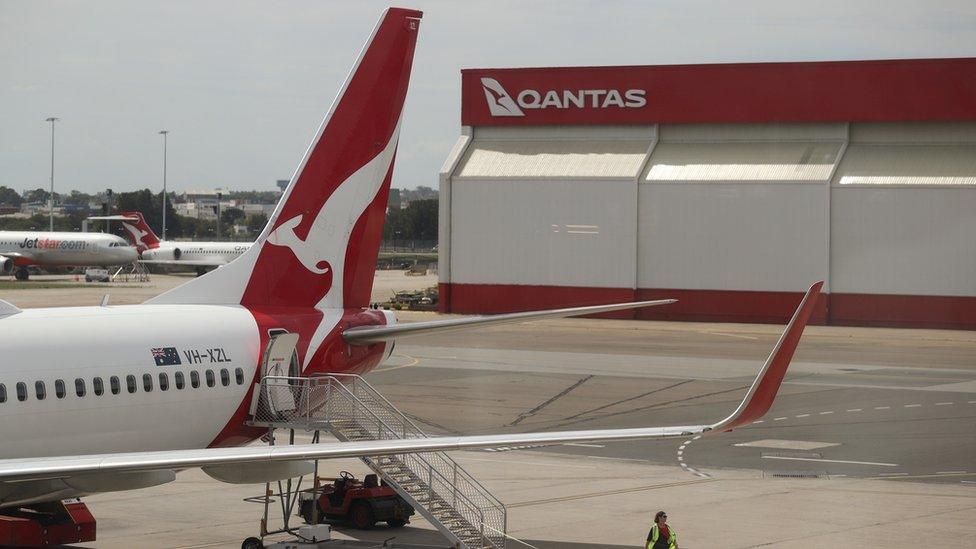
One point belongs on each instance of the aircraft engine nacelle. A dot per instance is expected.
(164, 254)
(6, 265)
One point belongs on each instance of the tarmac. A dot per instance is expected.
(871, 442)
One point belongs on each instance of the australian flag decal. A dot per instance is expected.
(166, 356)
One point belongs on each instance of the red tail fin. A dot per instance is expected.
(320, 246)
(139, 233)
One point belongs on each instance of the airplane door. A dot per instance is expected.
(281, 360)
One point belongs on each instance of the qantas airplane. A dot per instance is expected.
(189, 253)
(92, 401)
(20, 249)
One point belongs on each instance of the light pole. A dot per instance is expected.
(50, 200)
(164, 133)
(218, 214)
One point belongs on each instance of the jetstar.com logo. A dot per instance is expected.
(500, 103)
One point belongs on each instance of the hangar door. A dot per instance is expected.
(736, 207)
(547, 209)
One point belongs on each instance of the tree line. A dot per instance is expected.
(416, 221)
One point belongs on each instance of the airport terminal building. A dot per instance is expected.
(731, 187)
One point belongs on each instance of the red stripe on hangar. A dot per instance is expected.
(900, 311)
(862, 91)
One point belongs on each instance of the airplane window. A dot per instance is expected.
(98, 386)
(130, 382)
(59, 389)
(3, 393)
(21, 391)
(114, 382)
(178, 376)
(40, 389)
(195, 379)
(147, 382)
(211, 379)
(163, 381)
(80, 387)
(239, 375)
(224, 377)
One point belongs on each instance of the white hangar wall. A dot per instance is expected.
(733, 219)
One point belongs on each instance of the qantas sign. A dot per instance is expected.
(500, 102)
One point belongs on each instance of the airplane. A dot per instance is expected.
(199, 255)
(20, 249)
(91, 401)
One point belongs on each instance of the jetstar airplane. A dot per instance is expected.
(190, 254)
(91, 401)
(20, 249)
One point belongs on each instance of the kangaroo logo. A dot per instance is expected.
(325, 246)
(137, 235)
(499, 102)
(285, 236)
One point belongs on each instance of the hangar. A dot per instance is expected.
(729, 186)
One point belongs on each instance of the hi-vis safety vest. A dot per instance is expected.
(656, 533)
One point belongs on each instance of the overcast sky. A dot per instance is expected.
(242, 85)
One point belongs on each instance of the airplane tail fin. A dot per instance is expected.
(139, 233)
(321, 243)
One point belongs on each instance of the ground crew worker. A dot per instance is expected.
(661, 535)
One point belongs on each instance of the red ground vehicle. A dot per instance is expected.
(361, 503)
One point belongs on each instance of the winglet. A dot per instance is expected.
(763, 390)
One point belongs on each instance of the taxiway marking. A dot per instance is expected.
(833, 461)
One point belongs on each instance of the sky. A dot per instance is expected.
(243, 85)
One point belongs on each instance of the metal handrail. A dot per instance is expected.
(390, 405)
(431, 471)
(466, 507)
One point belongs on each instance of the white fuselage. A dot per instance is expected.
(90, 347)
(43, 248)
(216, 253)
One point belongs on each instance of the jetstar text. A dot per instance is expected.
(52, 244)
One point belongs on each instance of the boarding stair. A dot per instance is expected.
(442, 491)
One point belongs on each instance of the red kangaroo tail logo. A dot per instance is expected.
(320, 246)
(140, 235)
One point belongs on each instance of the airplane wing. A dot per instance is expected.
(755, 403)
(367, 335)
(112, 218)
(187, 262)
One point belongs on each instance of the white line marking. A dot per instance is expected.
(913, 406)
(833, 461)
(778, 418)
(944, 403)
(854, 410)
(730, 335)
(892, 474)
(685, 465)
(696, 437)
(825, 413)
(551, 464)
(758, 421)
(803, 415)
(950, 472)
(584, 445)
(680, 452)
(882, 407)
(971, 402)
(968, 481)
